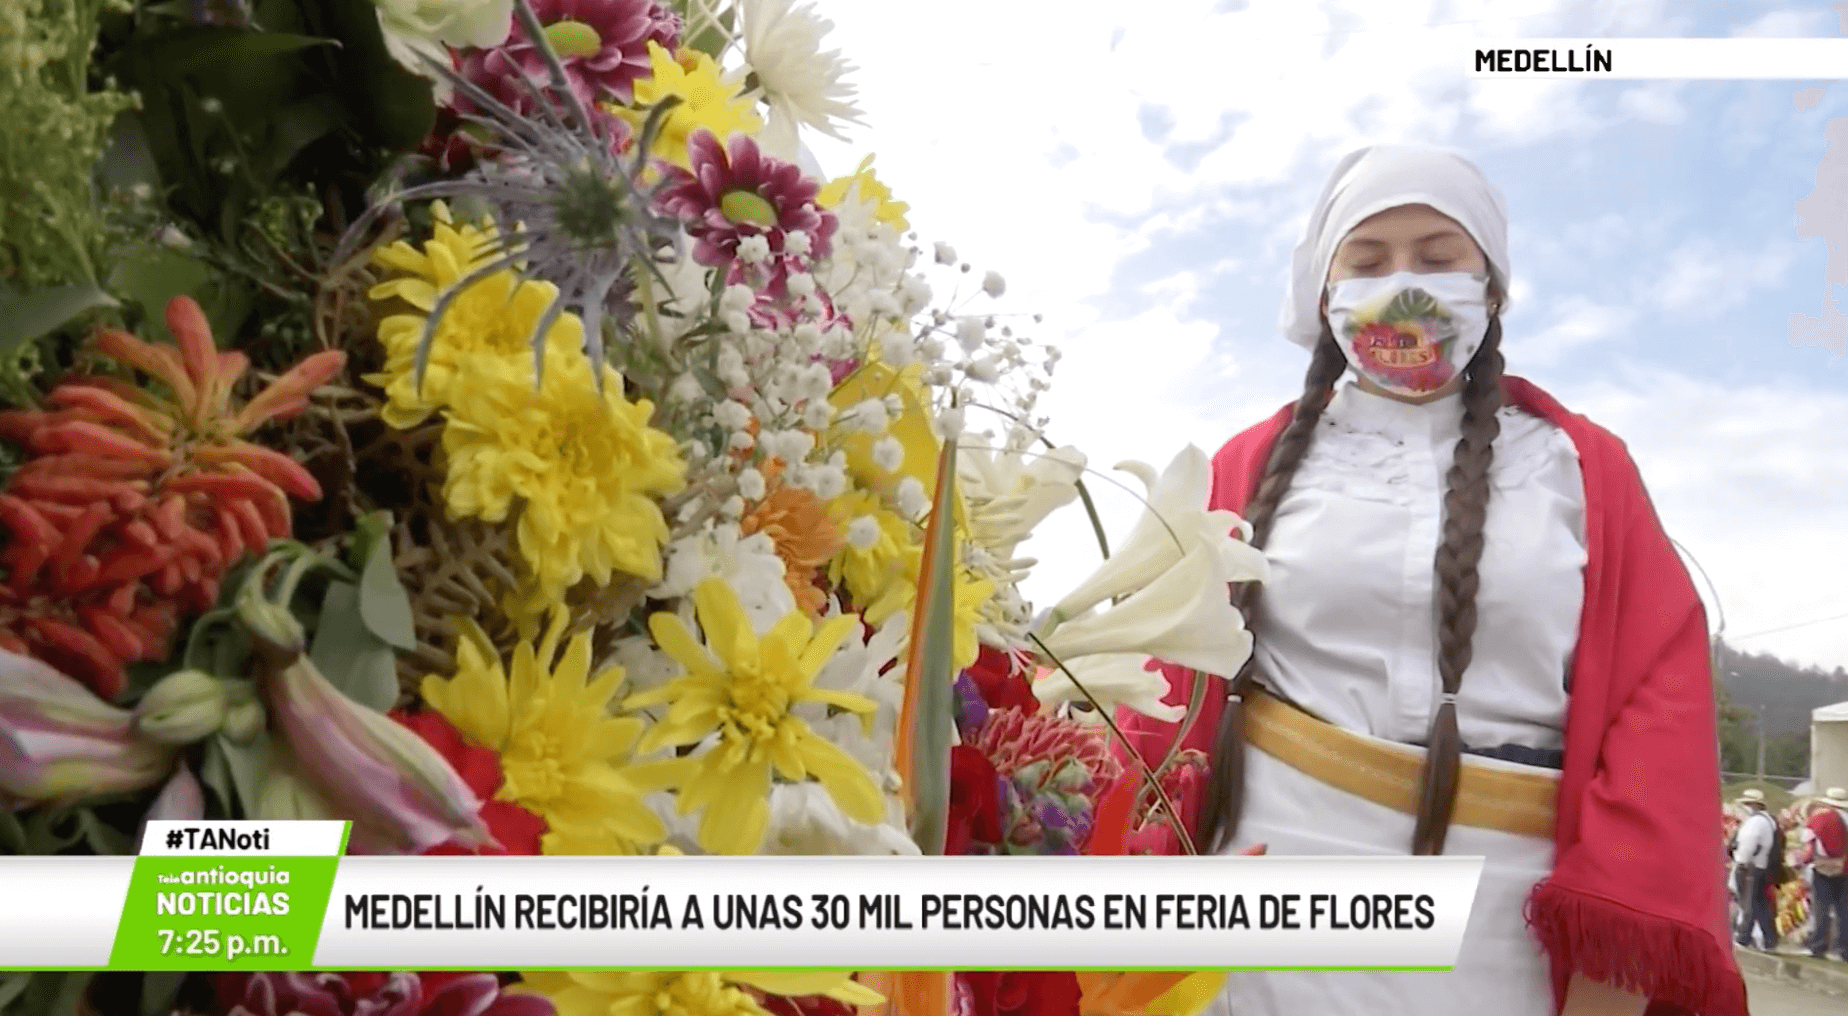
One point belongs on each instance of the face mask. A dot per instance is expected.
(1410, 333)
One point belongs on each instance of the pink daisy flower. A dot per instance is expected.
(602, 44)
(750, 214)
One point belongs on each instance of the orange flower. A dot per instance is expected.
(133, 504)
(806, 536)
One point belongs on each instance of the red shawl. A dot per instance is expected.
(1637, 893)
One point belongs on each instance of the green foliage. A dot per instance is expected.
(1786, 693)
(309, 106)
(51, 225)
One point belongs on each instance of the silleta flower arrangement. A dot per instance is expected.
(484, 422)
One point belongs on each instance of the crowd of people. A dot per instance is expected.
(1787, 880)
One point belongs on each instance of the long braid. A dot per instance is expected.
(1466, 502)
(1226, 784)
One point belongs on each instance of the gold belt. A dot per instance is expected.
(1390, 775)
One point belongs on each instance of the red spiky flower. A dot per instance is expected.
(133, 503)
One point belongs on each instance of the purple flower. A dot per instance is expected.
(971, 711)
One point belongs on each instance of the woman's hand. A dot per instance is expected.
(1586, 997)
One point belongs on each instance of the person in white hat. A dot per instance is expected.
(1475, 639)
(1826, 839)
(1753, 846)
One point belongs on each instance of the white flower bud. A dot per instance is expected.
(912, 501)
(863, 532)
(993, 284)
(751, 485)
(971, 333)
(731, 414)
(753, 250)
(797, 242)
(946, 254)
(888, 454)
(801, 283)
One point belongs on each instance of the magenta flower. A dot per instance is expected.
(602, 44)
(750, 214)
(373, 994)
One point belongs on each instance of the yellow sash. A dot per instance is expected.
(1387, 774)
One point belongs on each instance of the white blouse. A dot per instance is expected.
(1347, 626)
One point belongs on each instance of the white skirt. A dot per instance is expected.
(1501, 970)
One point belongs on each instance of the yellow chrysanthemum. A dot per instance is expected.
(584, 467)
(584, 993)
(971, 595)
(882, 577)
(495, 316)
(563, 756)
(867, 189)
(745, 695)
(707, 99)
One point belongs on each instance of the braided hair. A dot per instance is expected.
(1466, 500)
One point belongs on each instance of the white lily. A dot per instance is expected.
(1183, 617)
(1009, 493)
(1175, 522)
(1113, 679)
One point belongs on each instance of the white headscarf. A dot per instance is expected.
(1371, 180)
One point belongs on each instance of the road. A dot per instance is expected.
(1781, 998)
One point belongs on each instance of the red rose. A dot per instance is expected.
(1003, 686)
(516, 830)
(975, 801)
(1023, 993)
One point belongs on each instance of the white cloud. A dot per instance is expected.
(1703, 278)
(1789, 25)
(1573, 322)
(1748, 479)
(1655, 102)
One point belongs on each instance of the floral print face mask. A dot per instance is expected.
(1410, 333)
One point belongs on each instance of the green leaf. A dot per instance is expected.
(383, 603)
(1410, 305)
(245, 764)
(13, 985)
(151, 276)
(215, 773)
(159, 988)
(26, 316)
(936, 677)
(48, 833)
(67, 1002)
(367, 532)
(347, 653)
(129, 159)
(101, 836)
(12, 840)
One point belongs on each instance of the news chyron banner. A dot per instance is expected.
(281, 896)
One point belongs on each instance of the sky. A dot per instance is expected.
(1140, 172)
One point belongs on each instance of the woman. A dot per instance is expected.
(1476, 638)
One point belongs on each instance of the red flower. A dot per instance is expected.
(975, 801)
(517, 830)
(1023, 993)
(1002, 684)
